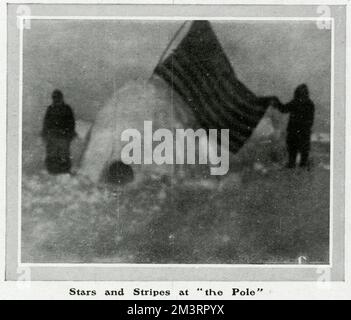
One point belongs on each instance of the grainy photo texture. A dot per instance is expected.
(176, 142)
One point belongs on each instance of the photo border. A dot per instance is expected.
(286, 268)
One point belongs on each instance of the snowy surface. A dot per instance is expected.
(258, 213)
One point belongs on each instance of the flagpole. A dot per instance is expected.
(160, 60)
(169, 44)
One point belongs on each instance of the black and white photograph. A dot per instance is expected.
(253, 189)
(176, 142)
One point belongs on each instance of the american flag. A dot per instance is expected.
(200, 72)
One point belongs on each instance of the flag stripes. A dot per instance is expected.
(207, 117)
(199, 71)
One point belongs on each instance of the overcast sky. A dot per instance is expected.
(89, 59)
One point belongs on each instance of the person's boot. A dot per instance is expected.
(292, 162)
(292, 154)
(305, 165)
(305, 162)
(290, 165)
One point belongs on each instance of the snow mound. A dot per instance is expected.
(82, 128)
(320, 137)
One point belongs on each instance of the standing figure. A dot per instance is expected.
(298, 140)
(58, 133)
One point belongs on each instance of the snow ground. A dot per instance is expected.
(260, 213)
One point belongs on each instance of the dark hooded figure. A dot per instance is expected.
(298, 140)
(58, 133)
